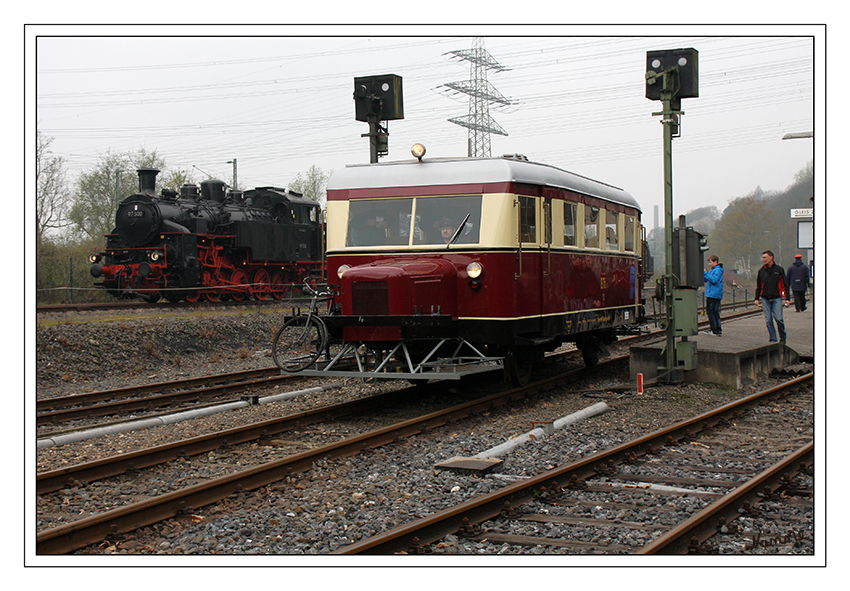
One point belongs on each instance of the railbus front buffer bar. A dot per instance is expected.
(353, 361)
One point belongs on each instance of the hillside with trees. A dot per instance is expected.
(748, 226)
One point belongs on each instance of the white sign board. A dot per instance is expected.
(802, 213)
(805, 234)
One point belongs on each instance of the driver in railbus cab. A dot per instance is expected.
(447, 229)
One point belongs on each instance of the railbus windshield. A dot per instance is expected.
(414, 221)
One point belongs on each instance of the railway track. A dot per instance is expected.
(51, 411)
(93, 529)
(138, 305)
(612, 471)
(98, 527)
(205, 389)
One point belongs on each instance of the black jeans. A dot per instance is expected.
(712, 309)
(800, 300)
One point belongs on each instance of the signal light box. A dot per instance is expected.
(378, 95)
(684, 61)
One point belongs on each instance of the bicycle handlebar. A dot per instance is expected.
(307, 288)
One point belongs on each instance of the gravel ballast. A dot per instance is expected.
(338, 501)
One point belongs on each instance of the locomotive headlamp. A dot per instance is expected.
(474, 270)
(94, 258)
(155, 256)
(418, 151)
(342, 269)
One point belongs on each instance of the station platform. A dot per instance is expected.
(740, 355)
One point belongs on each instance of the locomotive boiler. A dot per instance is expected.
(211, 243)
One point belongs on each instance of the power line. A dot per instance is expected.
(481, 95)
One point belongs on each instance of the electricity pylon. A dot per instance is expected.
(481, 94)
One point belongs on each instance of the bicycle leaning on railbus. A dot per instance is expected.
(302, 339)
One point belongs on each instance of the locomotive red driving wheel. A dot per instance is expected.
(279, 288)
(239, 285)
(260, 284)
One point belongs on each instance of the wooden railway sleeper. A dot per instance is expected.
(115, 535)
(747, 508)
(510, 511)
(724, 528)
(551, 494)
(416, 547)
(608, 468)
(696, 547)
(576, 483)
(468, 529)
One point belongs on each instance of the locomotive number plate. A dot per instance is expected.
(135, 214)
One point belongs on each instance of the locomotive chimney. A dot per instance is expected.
(147, 180)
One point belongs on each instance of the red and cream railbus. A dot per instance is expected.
(446, 262)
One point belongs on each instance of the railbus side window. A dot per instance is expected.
(629, 233)
(569, 224)
(611, 238)
(528, 219)
(591, 226)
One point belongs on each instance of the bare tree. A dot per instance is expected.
(312, 184)
(52, 195)
(95, 199)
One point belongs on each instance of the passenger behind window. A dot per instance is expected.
(370, 231)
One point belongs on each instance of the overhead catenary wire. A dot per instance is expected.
(277, 132)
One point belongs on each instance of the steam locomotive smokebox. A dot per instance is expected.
(378, 95)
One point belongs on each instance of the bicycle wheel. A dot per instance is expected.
(298, 343)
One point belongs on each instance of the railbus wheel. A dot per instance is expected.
(299, 342)
(519, 366)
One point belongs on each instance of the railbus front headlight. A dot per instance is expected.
(342, 269)
(474, 270)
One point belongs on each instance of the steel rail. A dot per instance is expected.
(53, 480)
(153, 402)
(69, 537)
(688, 535)
(46, 404)
(435, 527)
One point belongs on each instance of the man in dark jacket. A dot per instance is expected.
(771, 289)
(798, 281)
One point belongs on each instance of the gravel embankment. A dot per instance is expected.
(81, 354)
(339, 501)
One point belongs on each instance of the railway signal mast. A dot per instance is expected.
(671, 75)
(377, 100)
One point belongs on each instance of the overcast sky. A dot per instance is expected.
(279, 104)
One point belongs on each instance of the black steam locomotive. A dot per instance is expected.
(211, 243)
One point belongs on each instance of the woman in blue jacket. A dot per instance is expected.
(713, 294)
